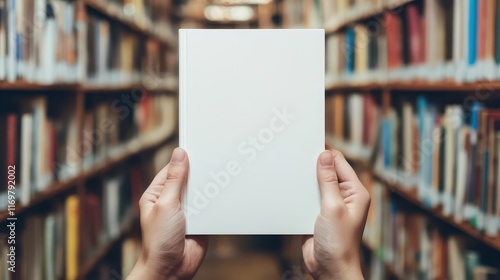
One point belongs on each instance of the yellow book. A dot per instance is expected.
(361, 50)
(72, 227)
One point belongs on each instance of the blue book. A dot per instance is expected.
(472, 47)
(349, 49)
(474, 124)
(386, 142)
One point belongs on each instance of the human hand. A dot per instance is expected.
(334, 250)
(166, 252)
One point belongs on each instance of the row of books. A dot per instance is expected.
(49, 41)
(109, 221)
(332, 14)
(453, 152)
(411, 246)
(449, 153)
(48, 241)
(337, 12)
(42, 141)
(424, 40)
(148, 14)
(114, 127)
(46, 244)
(351, 123)
(40, 145)
(303, 14)
(110, 208)
(37, 40)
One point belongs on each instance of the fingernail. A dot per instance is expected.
(178, 155)
(326, 159)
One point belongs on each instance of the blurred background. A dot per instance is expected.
(88, 116)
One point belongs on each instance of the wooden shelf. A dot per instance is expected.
(60, 187)
(101, 89)
(418, 86)
(89, 89)
(23, 85)
(333, 27)
(102, 252)
(104, 11)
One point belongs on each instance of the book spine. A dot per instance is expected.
(183, 122)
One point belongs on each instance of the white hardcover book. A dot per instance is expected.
(251, 109)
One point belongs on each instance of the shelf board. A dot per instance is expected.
(102, 10)
(26, 86)
(86, 88)
(103, 251)
(98, 89)
(417, 86)
(339, 25)
(60, 187)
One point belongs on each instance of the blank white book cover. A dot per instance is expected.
(251, 112)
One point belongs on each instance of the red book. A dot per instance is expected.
(146, 110)
(11, 138)
(423, 41)
(369, 115)
(414, 26)
(394, 40)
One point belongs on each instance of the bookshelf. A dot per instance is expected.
(141, 60)
(384, 53)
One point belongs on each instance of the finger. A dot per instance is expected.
(176, 177)
(152, 193)
(331, 200)
(345, 172)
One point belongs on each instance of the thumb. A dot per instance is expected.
(331, 200)
(176, 178)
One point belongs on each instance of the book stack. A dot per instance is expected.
(135, 119)
(43, 147)
(424, 40)
(408, 244)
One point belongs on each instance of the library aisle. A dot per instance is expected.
(88, 116)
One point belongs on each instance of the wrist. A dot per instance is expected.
(145, 269)
(340, 270)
